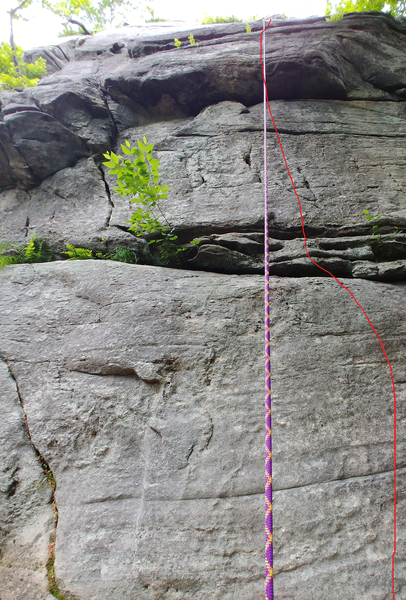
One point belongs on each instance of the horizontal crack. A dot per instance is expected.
(294, 487)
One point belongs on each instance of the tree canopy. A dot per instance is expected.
(21, 76)
(91, 15)
(395, 7)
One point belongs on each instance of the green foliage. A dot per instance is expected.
(192, 41)
(50, 566)
(376, 229)
(208, 20)
(336, 12)
(29, 74)
(34, 251)
(138, 177)
(119, 254)
(75, 253)
(248, 28)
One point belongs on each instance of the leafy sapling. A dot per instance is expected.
(178, 43)
(138, 177)
(376, 229)
(248, 28)
(192, 41)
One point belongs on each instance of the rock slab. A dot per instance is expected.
(143, 389)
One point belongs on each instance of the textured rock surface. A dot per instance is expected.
(143, 386)
(143, 390)
(340, 61)
(213, 165)
(26, 517)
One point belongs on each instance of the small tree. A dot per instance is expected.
(137, 176)
(396, 7)
(23, 75)
(14, 14)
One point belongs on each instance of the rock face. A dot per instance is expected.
(211, 155)
(143, 389)
(140, 388)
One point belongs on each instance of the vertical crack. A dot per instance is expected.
(104, 93)
(108, 192)
(49, 477)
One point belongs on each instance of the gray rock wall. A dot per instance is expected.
(141, 387)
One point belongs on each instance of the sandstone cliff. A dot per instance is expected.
(141, 387)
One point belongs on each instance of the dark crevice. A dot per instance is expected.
(26, 226)
(11, 489)
(156, 431)
(286, 131)
(190, 452)
(104, 95)
(48, 475)
(108, 192)
(114, 371)
(126, 229)
(65, 55)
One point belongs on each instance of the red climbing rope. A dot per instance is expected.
(343, 286)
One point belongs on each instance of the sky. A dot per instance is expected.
(42, 26)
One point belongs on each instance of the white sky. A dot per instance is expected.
(42, 27)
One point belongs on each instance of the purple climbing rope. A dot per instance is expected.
(268, 419)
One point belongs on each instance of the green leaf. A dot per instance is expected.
(125, 149)
(141, 146)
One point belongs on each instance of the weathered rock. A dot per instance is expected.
(56, 57)
(45, 145)
(213, 164)
(222, 260)
(71, 206)
(14, 171)
(143, 386)
(385, 271)
(339, 61)
(343, 257)
(143, 390)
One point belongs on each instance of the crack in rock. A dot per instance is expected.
(48, 475)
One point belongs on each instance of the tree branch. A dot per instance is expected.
(19, 7)
(12, 12)
(74, 22)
